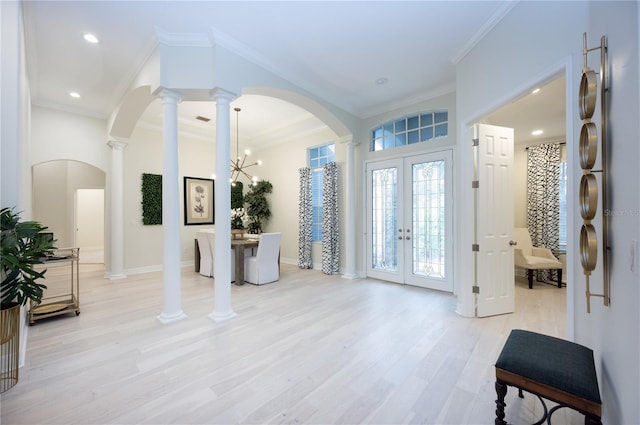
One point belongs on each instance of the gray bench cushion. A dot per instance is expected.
(555, 362)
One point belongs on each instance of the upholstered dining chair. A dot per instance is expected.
(264, 267)
(212, 245)
(533, 258)
(206, 256)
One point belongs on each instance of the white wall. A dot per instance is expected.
(512, 58)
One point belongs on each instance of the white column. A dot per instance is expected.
(172, 310)
(222, 260)
(350, 208)
(116, 268)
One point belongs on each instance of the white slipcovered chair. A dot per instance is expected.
(212, 245)
(533, 258)
(206, 255)
(264, 266)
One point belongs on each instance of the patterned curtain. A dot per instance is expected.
(305, 209)
(543, 192)
(330, 233)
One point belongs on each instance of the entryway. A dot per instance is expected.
(410, 220)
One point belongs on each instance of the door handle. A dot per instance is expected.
(513, 243)
(407, 238)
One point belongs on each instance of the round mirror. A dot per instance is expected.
(588, 247)
(588, 196)
(588, 145)
(587, 95)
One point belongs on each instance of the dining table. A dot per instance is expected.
(238, 246)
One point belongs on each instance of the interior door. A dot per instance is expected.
(494, 220)
(409, 220)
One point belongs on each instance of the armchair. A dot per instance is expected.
(533, 258)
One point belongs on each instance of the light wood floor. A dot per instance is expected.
(311, 349)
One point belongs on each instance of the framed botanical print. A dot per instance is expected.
(198, 201)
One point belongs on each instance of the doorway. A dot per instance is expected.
(409, 220)
(542, 109)
(90, 225)
(60, 187)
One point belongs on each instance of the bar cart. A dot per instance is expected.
(66, 302)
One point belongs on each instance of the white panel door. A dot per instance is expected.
(494, 215)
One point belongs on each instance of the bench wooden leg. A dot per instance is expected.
(559, 278)
(501, 391)
(530, 276)
(592, 420)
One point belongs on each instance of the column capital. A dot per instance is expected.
(118, 143)
(168, 94)
(348, 140)
(222, 95)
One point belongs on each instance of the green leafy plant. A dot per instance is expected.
(151, 199)
(257, 206)
(23, 246)
(237, 199)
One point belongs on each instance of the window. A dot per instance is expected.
(562, 226)
(410, 129)
(318, 157)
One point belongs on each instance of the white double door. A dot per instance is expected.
(410, 219)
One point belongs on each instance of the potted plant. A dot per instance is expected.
(23, 246)
(257, 205)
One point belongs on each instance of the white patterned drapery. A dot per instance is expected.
(305, 208)
(330, 217)
(543, 193)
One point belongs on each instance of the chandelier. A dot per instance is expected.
(239, 166)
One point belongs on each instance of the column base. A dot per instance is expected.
(166, 318)
(115, 276)
(221, 317)
(350, 276)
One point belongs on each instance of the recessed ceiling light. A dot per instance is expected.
(75, 94)
(91, 38)
(201, 118)
(536, 132)
(382, 80)
(536, 90)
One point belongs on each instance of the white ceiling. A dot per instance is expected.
(334, 49)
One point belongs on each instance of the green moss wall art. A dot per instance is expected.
(151, 199)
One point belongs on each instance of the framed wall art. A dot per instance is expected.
(198, 201)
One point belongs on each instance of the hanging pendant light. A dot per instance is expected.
(239, 166)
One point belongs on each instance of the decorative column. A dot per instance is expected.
(116, 266)
(222, 260)
(350, 209)
(172, 310)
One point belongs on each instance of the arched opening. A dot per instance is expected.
(68, 198)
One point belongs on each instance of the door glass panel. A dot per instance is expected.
(429, 219)
(385, 219)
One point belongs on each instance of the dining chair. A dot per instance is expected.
(206, 256)
(264, 267)
(212, 244)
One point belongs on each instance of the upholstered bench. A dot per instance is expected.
(550, 368)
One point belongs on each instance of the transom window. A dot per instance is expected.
(317, 158)
(410, 129)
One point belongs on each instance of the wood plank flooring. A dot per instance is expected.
(308, 349)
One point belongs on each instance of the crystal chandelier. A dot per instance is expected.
(239, 166)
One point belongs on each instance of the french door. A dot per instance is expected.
(409, 220)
